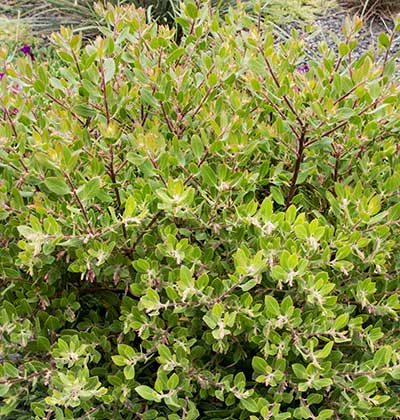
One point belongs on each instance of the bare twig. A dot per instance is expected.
(28, 378)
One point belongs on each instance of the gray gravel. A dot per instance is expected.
(329, 28)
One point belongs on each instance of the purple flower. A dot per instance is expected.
(1, 76)
(27, 50)
(303, 68)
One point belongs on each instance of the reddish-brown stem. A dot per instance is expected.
(278, 85)
(14, 130)
(53, 98)
(345, 95)
(343, 123)
(192, 27)
(77, 64)
(208, 93)
(168, 121)
(115, 187)
(144, 115)
(296, 169)
(203, 159)
(131, 249)
(283, 116)
(103, 89)
(93, 290)
(29, 377)
(339, 62)
(155, 165)
(385, 59)
(90, 412)
(336, 170)
(79, 202)
(369, 373)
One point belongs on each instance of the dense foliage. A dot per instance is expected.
(205, 230)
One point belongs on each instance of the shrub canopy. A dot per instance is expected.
(205, 230)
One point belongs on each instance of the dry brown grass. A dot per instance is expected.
(370, 8)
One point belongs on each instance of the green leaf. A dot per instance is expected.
(39, 86)
(395, 373)
(173, 381)
(217, 310)
(314, 398)
(175, 55)
(343, 49)
(85, 110)
(130, 206)
(52, 323)
(208, 175)
(109, 69)
(186, 276)
(212, 79)
(277, 195)
(382, 356)
(343, 252)
(384, 40)
(119, 360)
(271, 306)
(287, 305)
(197, 147)
(211, 323)
(341, 321)
(191, 10)
(266, 209)
(301, 231)
(10, 370)
(129, 372)
(126, 351)
(65, 56)
(43, 343)
(250, 405)
(325, 352)
(300, 371)
(322, 383)
(148, 97)
(374, 205)
(291, 214)
(57, 185)
(301, 413)
(259, 364)
(148, 393)
(164, 352)
(325, 414)
(249, 285)
(4, 388)
(89, 190)
(255, 85)
(151, 300)
(27, 232)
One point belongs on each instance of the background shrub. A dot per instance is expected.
(369, 8)
(46, 16)
(202, 230)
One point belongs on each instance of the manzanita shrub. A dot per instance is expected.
(207, 229)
